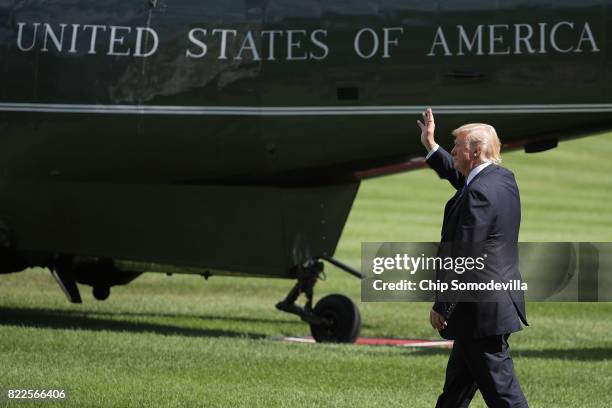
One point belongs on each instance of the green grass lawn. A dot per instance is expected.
(184, 341)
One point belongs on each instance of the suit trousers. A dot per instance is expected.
(484, 364)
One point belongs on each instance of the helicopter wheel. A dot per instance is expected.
(343, 317)
(101, 292)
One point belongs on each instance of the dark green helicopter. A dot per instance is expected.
(230, 137)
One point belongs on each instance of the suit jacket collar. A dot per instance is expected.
(476, 170)
(486, 170)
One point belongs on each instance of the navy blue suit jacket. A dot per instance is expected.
(487, 216)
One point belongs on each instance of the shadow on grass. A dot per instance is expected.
(284, 318)
(574, 354)
(202, 317)
(571, 354)
(65, 319)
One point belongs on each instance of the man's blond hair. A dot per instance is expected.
(486, 136)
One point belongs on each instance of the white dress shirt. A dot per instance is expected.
(473, 172)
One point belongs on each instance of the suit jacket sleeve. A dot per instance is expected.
(442, 162)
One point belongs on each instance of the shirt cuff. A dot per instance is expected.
(432, 151)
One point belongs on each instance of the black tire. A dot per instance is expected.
(344, 316)
(101, 292)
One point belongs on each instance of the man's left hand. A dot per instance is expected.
(437, 321)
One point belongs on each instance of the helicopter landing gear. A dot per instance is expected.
(335, 318)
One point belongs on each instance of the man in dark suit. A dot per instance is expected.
(482, 217)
